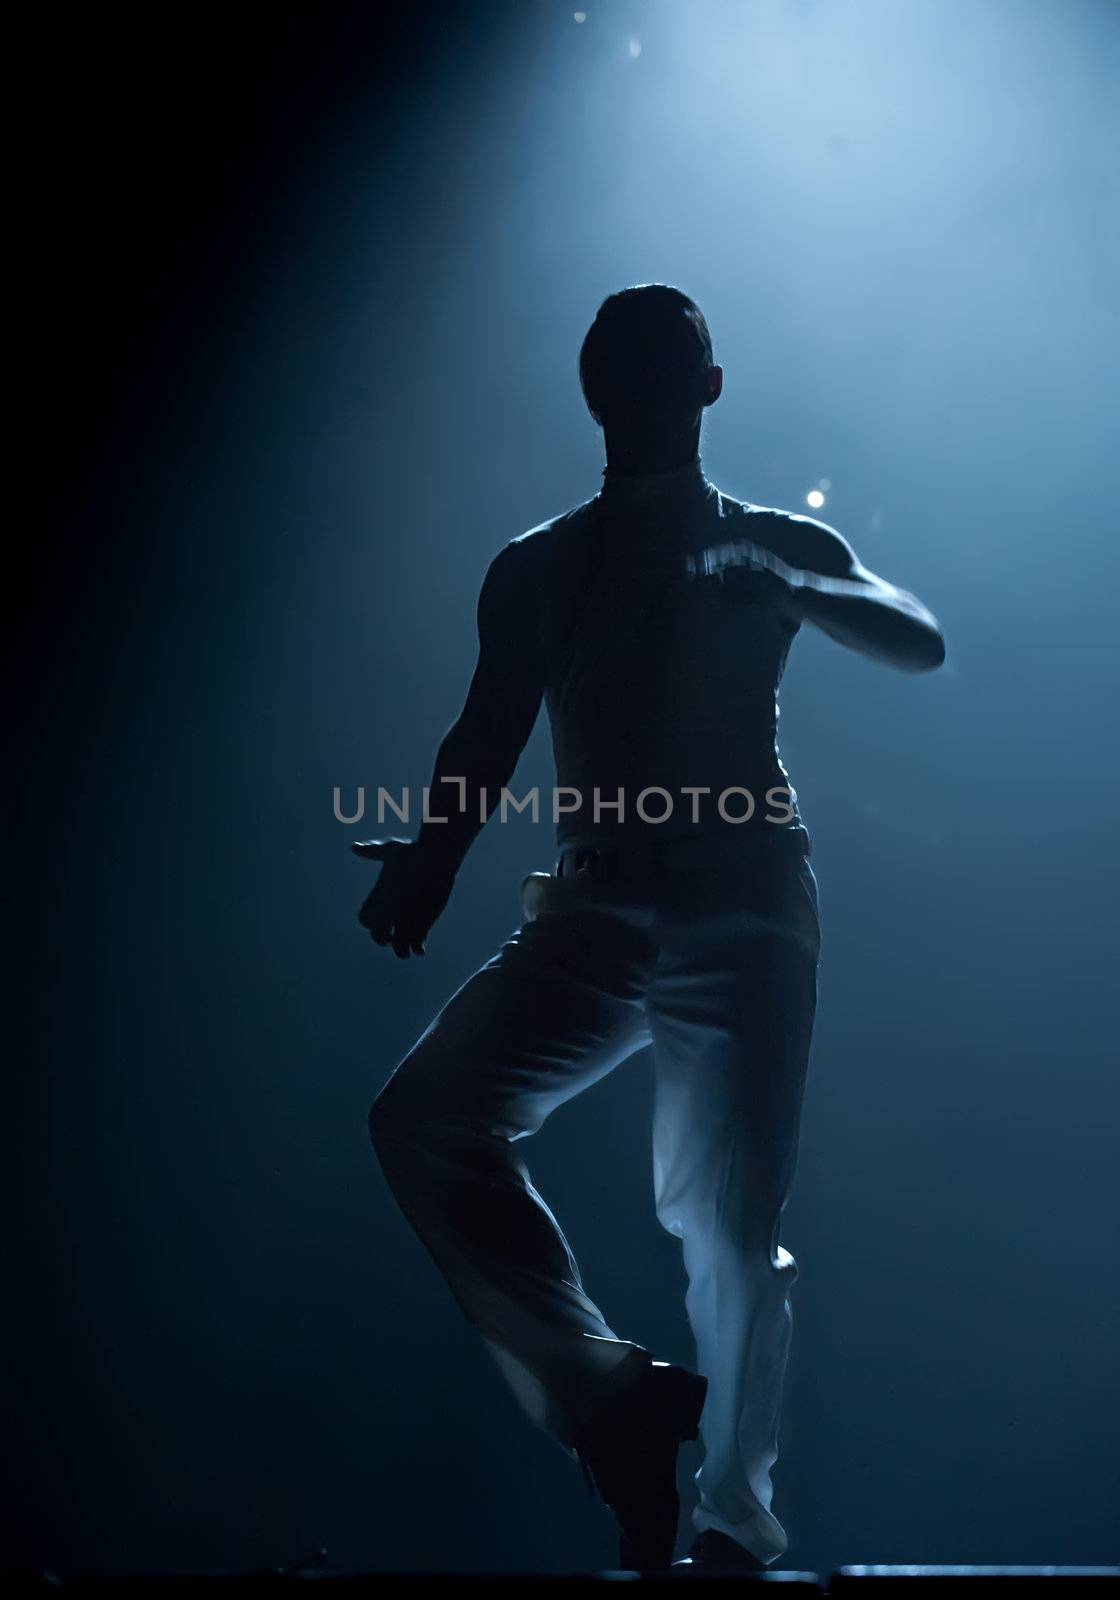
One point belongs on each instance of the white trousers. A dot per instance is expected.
(716, 967)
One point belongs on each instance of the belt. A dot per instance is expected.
(660, 858)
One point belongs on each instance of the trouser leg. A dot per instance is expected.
(731, 1022)
(553, 1012)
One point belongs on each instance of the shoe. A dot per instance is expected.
(715, 1552)
(629, 1455)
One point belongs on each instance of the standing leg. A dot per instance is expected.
(731, 1017)
(553, 1012)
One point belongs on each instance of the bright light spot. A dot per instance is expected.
(825, 484)
(580, 16)
(815, 498)
(635, 48)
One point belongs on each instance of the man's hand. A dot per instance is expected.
(411, 891)
(776, 574)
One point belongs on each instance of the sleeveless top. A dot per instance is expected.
(661, 666)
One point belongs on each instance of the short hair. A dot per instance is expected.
(644, 362)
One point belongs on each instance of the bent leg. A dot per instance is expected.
(554, 1011)
(731, 1023)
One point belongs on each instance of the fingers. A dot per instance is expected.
(396, 912)
(407, 941)
(375, 918)
(405, 937)
(370, 849)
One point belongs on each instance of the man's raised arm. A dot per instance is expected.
(476, 759)
(825, 583)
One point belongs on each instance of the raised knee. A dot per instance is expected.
(391, 1121)
(380, 1119)
(411, 1111)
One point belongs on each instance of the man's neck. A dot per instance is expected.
(640, 458)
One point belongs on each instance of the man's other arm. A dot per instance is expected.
(481, 749)
(475, 760)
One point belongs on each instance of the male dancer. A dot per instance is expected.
(654, 621)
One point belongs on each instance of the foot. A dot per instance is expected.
(629, 1452)
(715, 1552)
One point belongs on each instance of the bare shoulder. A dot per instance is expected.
(551, 539)
(802, 542)
(537, 560)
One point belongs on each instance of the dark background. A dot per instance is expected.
(305, 290)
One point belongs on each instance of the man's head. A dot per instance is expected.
(646, 364)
